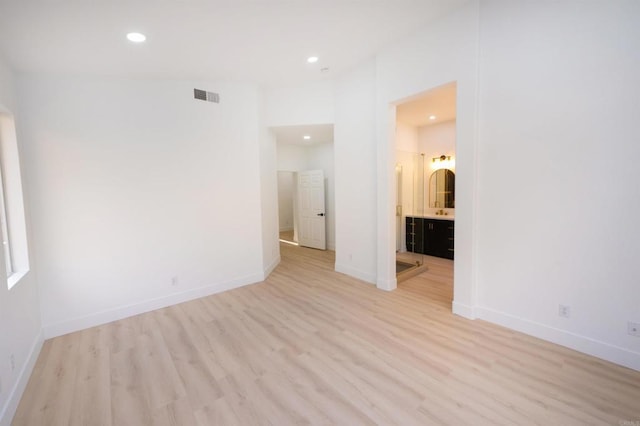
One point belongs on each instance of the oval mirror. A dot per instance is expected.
(442, 189)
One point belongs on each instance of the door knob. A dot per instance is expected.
(320, 214)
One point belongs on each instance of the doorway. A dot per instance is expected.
(425, 143)
(305, 164)
(310, 194)
(287, 207)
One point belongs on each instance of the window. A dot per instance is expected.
(4, 230)
(13, 228)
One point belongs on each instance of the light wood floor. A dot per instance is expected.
(310, 346)
(287, 235)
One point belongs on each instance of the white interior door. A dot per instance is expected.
(311, 230)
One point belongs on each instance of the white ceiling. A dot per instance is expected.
(294, 135)
(263, 41)
(440, 102)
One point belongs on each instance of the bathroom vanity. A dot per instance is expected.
(431, 236)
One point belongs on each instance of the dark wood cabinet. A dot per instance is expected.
(433, 237)
(415, 242)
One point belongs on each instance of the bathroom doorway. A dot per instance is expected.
(425, 190)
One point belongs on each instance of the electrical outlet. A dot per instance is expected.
(174, 281)
(633, 328)
(564, 311)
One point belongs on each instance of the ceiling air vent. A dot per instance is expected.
(203, 95)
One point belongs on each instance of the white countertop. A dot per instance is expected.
(436, 216)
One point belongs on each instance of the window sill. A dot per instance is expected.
(14, 278)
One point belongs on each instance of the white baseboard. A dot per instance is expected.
(269, 269)
(109, 315)
(9, 409)
(356, 273)
(580, 343)
(463, 310)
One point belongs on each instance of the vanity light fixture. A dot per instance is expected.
(441, 158)
(306, 137)
(442, 162)
(136, 37)
(312, 59)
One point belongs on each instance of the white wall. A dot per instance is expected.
(438, 139)
(133, 183)
(558, 177)
(406, 137)
(292, 158)
(306, 104)
(268, 191)
(355, 173)
(20, 326)
(285, 200)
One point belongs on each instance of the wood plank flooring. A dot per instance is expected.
(311, 346)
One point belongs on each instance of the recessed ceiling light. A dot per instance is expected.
(432, 117)
(136, 37)
(312, 59)
(307, 137)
